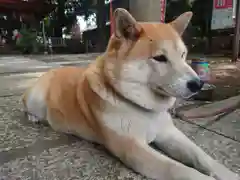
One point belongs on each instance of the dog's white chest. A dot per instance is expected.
(135, 123)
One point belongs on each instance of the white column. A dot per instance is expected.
(145, 10)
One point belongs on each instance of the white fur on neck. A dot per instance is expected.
(133, 85)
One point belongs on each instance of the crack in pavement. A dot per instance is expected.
(210, 130)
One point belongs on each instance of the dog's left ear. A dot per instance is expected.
(181, 22)
(125, 25)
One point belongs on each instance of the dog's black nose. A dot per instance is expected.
(195, 85)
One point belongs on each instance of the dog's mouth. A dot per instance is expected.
(160, 91)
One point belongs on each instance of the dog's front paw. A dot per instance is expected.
(222, 173)
(33, 119)
(227, 176)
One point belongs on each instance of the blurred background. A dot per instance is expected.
(80, 26)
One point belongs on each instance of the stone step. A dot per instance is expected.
(211, 109)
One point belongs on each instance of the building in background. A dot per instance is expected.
(142, 10)
(16, 13)
(151, 10)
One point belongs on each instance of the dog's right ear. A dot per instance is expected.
(125, 25)
(181, 22)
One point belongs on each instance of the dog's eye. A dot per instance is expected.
(160, 58)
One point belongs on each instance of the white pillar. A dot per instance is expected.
(145, 10)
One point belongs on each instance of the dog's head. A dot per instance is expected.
(149, 59)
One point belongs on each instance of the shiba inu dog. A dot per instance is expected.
(122, 99)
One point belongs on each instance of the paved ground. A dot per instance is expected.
(35, 152)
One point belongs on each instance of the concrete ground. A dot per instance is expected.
(34, 152)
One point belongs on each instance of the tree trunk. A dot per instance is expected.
(60, 18)
(101, 26)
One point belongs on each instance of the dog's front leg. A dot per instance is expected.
(175, 144)
(139, 156)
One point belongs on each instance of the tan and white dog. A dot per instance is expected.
(122, 99)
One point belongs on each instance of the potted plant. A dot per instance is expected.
(27, 42)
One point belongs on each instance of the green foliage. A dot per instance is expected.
(65, 15)
(77, 7)
(27, 42)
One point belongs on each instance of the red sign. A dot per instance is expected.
(111, 18)
(223, 4)
(162, 10)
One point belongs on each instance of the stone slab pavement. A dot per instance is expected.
(30, 151)
(222, 117)
(38, 63)
(11, 65)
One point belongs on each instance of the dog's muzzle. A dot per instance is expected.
(182, 87)
(195, 85)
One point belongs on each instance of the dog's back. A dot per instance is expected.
(58, 97)
(121, 100)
